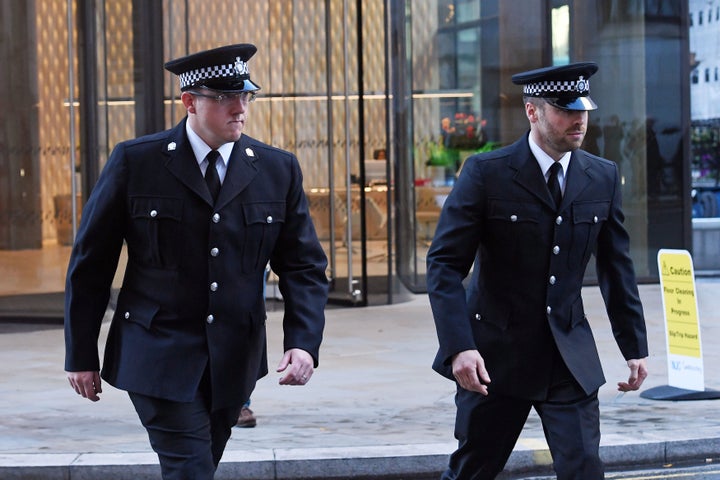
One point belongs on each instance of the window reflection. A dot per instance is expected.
(460, 100)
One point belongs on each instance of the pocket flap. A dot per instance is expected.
(590, 212)
(156, 207)
(264, 212)
(136, 308)
(513, 211)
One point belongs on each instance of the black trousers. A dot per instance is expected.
(487, 429)
(188, 438)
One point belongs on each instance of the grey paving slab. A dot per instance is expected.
(373, 407)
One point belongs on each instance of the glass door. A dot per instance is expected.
(360, 177)
(321, 68)
(38, 156)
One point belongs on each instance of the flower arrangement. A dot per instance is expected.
(464, 132)
(705, 144)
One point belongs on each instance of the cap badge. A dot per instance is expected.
(241, 67)
(582, 85)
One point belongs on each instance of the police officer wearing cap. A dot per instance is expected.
(202, 209)
(529, 216)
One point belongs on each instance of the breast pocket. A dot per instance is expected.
(511, 225)
(155, 233)
(588, 219)
(263, 223)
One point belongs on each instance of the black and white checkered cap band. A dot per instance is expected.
(550, 87)
(192, 77)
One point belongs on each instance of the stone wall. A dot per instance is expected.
(706, 243)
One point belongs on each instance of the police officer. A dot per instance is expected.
(529, 216)
(202, 209)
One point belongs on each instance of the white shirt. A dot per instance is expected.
(201, 149)
(545, 161)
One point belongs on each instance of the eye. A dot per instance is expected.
(247, 97)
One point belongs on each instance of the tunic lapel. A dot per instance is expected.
(530, 177)
(241, 171)
(578, 178)
(181, 162)
(528, 173)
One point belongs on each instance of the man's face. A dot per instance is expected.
(556, 131)
(215, 117)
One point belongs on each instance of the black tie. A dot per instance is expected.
(211, 176)
(554, 183)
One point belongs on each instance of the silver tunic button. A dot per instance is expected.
(210, 319)
(556, 249)
(559, 220)
(269, 219)
(552, 280)
(213, 286)
(214, 251)
(127, 315)
(216, 218)
(549, 310)
(595, 219)
(478, 316)
(153, 213)
(513, 218)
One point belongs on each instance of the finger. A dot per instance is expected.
(88, 391)
(626, 387)
(284, 362)
(483, 374)
(289, 379)
(92, 397)
(476, 387)
(97, 383)
(633, 373)
(472, 383)
(297, 376)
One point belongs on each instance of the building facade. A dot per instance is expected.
(704, 21)
(381, 100)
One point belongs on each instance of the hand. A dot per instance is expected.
(468, 368)
(87, 384)
(638, 373)
(300, 365)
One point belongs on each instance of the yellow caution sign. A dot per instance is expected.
(682, 325)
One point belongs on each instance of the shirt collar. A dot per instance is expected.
(201, 149)
(545, 161)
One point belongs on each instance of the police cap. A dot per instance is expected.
(224, 69)
(566, 86)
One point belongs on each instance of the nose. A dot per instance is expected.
(579, 117)
(239, 105)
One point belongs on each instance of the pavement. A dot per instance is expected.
(374, 408)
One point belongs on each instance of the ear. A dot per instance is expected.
(531, 111)
(188, 101)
